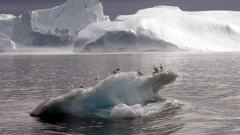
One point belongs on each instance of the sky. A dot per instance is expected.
(118, 7)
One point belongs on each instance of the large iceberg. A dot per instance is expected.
(52, 27)
(71, 17)
(164, 28)
(58, 25)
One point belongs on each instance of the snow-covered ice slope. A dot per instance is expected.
(72, 16)
(162, 27)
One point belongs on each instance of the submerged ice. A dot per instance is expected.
(123, 92)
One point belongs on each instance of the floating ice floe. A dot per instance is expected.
(123, 95)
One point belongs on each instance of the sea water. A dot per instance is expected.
(207, 86)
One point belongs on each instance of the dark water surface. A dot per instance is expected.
(208, 85)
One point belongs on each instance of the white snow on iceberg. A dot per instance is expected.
(164, 27)
(123, 92)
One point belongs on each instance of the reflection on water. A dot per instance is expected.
(208, 85)
(158, 124)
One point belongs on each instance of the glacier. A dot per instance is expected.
(122, 92)
(54, 27)
(164, 28)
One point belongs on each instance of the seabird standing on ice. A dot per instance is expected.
(155, 70)
(116, 71)
(97, 78)
(139, 72)
(161, 68)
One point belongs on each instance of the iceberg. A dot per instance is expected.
(6, 44)
(71, 17)
(164, 28)
(123, 92)
(57, 26)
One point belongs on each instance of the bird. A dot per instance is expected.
(161, 68)
(114, 72)
(155, 70)
(118, 69)
(97, 78)
(139, 72)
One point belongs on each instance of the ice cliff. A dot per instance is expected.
(164, 28)
(71, 17)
